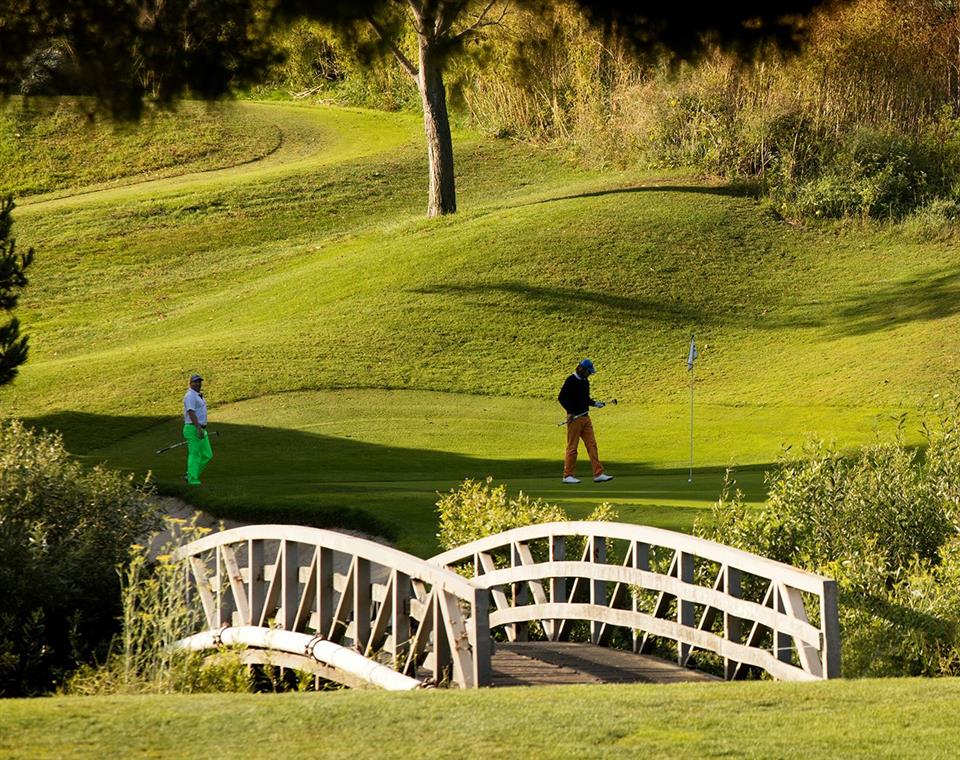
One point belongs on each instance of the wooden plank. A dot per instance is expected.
(830, 620)
(558, 585)
(419, 645)
(361, 603)
(457, 639)
(378, 632)
(309, 596)
(380, 554)
(202, 580)
(667, 628)
(341, 615)
(256, 583)
(700, 547)
(499, 596)
(732, 625)
(598, 586)
(557, 663)
(809, 655)
(518, 596)
(686, 613)
(272, 598)
(290, 590)
(325, 592)
(235, 578)
(662, 605)
(400, 620)
(669, 587)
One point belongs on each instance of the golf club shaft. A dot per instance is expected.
(184, 443)
(567, 421)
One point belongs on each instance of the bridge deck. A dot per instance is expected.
(546, 663)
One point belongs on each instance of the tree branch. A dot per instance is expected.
(482, 20)
(397, 52)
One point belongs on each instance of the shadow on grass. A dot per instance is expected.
(264, 474)
(613, 309)
(927, 298)
(728, 191)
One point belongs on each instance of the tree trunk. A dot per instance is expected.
(436, 124)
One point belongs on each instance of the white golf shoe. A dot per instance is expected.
(570, 480)
(602, 478)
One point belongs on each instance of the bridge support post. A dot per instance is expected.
(482, 644)
(641, 561)
(686, 613)
(256, 585)
(732, 625)
(830, 623)
(520, 593)
(782, 642)
(558, 586)
(598, 589)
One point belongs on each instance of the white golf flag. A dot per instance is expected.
(692, 355)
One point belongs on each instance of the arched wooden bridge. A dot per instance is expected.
(360, 613)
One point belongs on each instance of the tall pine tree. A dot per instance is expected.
(13, 278)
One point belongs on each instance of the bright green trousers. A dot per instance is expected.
(198, 453)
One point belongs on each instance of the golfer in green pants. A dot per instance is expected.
(199, 452)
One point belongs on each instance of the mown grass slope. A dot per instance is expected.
(360, 357)
(901, 718)
(46, 146)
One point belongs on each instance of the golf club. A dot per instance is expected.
(612, 401)
(184, 443)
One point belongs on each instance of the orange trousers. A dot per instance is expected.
(581, 428)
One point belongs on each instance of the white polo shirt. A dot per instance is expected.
(195, 401)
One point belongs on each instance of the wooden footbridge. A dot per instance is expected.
(553, 603)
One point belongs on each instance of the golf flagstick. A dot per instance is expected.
(691, 357)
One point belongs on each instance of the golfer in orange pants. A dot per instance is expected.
(575, 398)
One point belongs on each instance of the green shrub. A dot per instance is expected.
(155, 615)
(869, 174)
(64, 529)
(884, 524)
(477, 509)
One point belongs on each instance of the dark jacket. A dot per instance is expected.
(575, 395)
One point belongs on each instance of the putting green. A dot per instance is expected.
(376, 459)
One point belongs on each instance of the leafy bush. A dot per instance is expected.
(884, 523)
(477, 509)
(871, 174)
(156, 614)
(64, 529)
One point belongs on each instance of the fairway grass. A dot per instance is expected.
(360, 358)
(375, 460)
(897, 718)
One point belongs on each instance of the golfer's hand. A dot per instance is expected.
(200, 433)
(570, 418)
(599, 405)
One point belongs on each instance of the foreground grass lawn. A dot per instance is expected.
(896, 718)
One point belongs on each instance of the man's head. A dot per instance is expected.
(195, 382)
(585, 368)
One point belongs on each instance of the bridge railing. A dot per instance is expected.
(646, 584)
(423, 620)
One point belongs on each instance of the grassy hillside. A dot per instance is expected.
(897, 718)
(48, 145)
(360, 357)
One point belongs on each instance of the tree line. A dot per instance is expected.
(857, 118)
